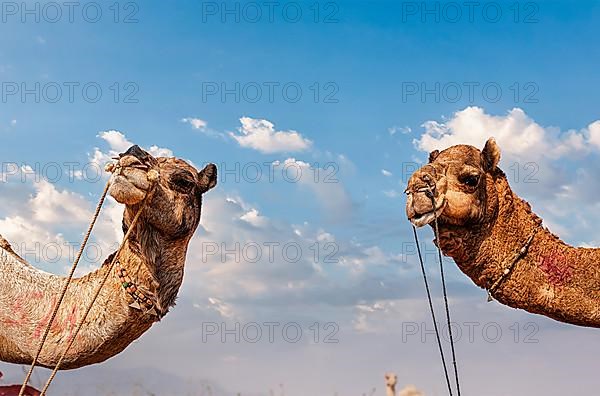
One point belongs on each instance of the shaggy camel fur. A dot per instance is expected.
(154, 257)
(483, 225)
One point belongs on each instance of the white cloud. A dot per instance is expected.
(324, 183)
(375, 317)
(13, 122)
(49, 205)
(253, 217)
(25, 233)
(392, 193)
(118, 143)
(594, 129)
(403, 130)
(116, 140)
(221, 307)
(518, 135)
(196, 123)
(386, 173)
(261, 135)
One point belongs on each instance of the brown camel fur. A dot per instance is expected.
(483, 224)
(154, 257)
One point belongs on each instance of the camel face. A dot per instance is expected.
(175, 205)
(459, 179)
(390, 380)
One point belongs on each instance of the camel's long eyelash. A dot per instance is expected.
(470, 180)
(182, 182)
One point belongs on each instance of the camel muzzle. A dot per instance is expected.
(133, 175)
(424, 201)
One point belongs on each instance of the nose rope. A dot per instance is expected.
(429, 299)
(446, 305)
(153, 177)
(63, 293)
(429, 191)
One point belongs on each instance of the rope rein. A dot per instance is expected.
(64, 290)
(91, 304)
(152, 177)
(437, 237)
(429, 192)
(429, 299)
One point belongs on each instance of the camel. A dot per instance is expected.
(391, 381)
(390, 384)
(140, 291)
(495, 238)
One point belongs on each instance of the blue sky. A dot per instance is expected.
(368, 125)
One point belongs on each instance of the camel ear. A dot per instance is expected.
(433, 155)
(207, 177)
(490, 155)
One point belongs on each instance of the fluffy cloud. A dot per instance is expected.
(118, 143)
(196, 123)
(261, 135)
(518, 135)
(49, 205)
(403, 130)
(323, 182)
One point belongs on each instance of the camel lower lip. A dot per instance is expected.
(125, 192)
(426, 218)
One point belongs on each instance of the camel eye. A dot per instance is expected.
(470, 180)
(182, 184)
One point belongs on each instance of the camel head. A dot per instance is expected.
(457, 185)
(390, 380)
(175, 203)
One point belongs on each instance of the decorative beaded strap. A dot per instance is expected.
(140, 300)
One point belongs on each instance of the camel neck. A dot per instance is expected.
(515, 227)
(156, 267)
(481, 250)
(552, 278)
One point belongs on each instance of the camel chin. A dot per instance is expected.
(125, 192)
(423, 219)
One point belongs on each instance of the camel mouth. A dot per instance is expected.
(422, 219)
(130, 183)
(125, 191)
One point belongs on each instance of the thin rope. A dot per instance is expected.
(435, 326)
(437, 237)
(64, 290)
(98, 291)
